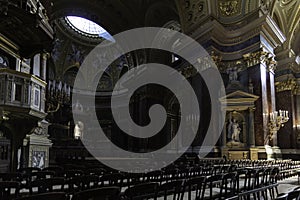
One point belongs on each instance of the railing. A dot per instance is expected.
(22, 90)
(31, 6)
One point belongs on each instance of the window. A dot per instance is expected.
(87, 27)
(18, 92)
(36, 100)
(3, 62)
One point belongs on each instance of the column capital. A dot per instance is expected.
(252, 109)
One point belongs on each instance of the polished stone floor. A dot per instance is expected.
(288, 184)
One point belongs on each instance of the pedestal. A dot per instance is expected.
(277, 153)
(254, 153)
(269, 152)
(224, 152)
(38, 145)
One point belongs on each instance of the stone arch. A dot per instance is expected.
(123, 71)
(70, 75)
(278, 20)
(112, 21)
(104, 83)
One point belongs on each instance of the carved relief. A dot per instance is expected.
(229, 8)
(194, 10)
(266, 5)
(260, 57)
(289, 84)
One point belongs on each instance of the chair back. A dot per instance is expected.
(89, 182)
(211, 181)
(9, 190)
(115, 179)
(195, 185)
(228, 185)
(46, 196)
(294, 195)
(57, 170)
(105, 193)
(173, 188)
(142, 191)
(10, 176)
(282, 197)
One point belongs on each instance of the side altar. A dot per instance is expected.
(238, 136)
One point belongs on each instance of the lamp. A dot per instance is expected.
(4, 116)
(192, 120)
(277, 120)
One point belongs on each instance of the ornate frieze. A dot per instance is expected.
(188, 71)
(289, 84)
(266, 5)
(258, 57)
(229, 8)
(193, 11)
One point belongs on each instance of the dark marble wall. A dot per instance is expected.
(255, 75)
(286, 135)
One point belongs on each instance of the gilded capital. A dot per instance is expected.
(288, 85)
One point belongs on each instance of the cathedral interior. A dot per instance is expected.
(44, 44)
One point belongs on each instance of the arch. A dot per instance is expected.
(123, 71)
(278, 21)
(165, 57)
(6, 132)
(71, 74)
(104, 83)
(295, 40)
(113, 21)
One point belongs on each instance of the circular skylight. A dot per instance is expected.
(87, 27)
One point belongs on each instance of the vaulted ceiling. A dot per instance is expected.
(117, 15)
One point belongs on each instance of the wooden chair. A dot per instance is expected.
(142, 191)
(132, 179)
(89, 182)
(294, 195)
(228, 185)
(173, 189)
(115, 179)
(48, 185)
(59, 171)
(10, 176)
(28, 175)
(153, 176)
(9, 190)
(105, 193)
(73, 180)
(96, 171)
(170, 174)
(212, 182)
(44, 174)
(195, 187)
(46, 196)
(282, 197)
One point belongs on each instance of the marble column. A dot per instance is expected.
(43, 66)
(251, 127)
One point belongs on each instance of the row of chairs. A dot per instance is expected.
(195, 186)
(216, 186)
(31, 176)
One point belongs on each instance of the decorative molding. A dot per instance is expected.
(288, 85)
(229, 8)
(193, 11)
(259, 57)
